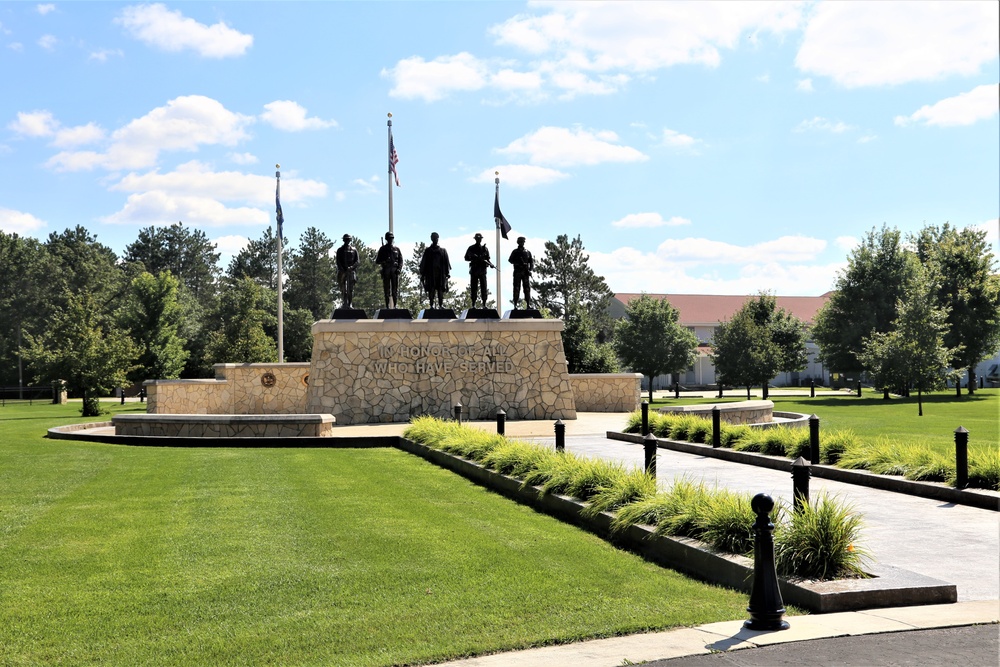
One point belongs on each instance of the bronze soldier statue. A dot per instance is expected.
(478, 257)
(524, 264)
(390, 259)
(435, 270)
(347, 264)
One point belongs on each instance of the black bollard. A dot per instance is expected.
(458, 412)
(813, 439)
(716, 427)
(961, 457)
(501, 421)
(649, 449)
(720, 391)
(812, 388)
(766, 607)
(645, 418)
(123, 394)
(677, 388)
(142, 395)
(560, 436)
(859, 388)
(800, 483)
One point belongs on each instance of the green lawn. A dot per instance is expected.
(158, 556)
(872, 416)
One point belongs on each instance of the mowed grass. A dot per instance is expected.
(156, 556)
(871, 416)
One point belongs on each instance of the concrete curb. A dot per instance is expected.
(981, 498)
(889, 587)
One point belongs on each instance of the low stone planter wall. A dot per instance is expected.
(606, 392)
(225, 426)
(889, 587)
(241, 389)
(742, 412)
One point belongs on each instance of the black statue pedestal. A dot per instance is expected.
(393, 314)
(349, 314)
(526, 314)
(480, 314)
(436, 314)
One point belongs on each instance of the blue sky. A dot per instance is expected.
(695, 147)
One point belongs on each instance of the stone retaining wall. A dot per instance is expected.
(742, 412)
(606, 392)
(225, 426)
(240, 389)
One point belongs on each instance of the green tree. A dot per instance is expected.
(243, 317)
(914, 348)
(760, 341)
(298, 338)
(24, 267)
(83, 347)
(80, 264)
(962, 265)
(152, 316)
(651, 341)
(258, 260)
(583, 353)
(563, 277)
(312, 275)
(186, 253)
(865, 298)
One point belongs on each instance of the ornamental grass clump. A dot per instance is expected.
(515, 458)
(984, 469)
(591, 475)
(683, 503)
(753, 441)
(631, 488)
(725, 521)
(700, 431)
(682, 426)
(730, 434)
(820, 541)
(549, 469)
(834, 444)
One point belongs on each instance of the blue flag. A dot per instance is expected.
(498, 216)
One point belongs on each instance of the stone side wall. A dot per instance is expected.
(370, 371)
(240, 389)
(607, 392)
(742, 412)
(225, 426)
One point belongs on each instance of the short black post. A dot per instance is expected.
(501, 422)
(677, 388)
(649, 449)
(800, 483)
(812, 388)
(813, 439)
(142, 395)
(720, 391)
(766, 607)
(716, 426)
(961, 457)
(859, 388)
(122, 389)
(560, 436)
(458, 412)
(982, 382)
(645, 418)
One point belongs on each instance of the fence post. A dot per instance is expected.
(560, 436)
(716, 426)
(645, 418)
(800, 483)
(458, 412)
(961, 457)
(649, 451)
(501, 421)
(766, 607)
(813, 439)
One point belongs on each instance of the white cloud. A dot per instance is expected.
(674, 139)
(159, 208)
(637, 220)
(80, 135)
(16, 46)
(867, 138)
(804, 86)
(229, 246)
(820, 124)
(243, 158)
(184, 124)
(847, 243)
(366, 186)
(102, 55)
(992, 229)
(763, 78)
(980, 103)
(291, 117)
(44, 9)
(34, 124)
(888, 43)
(520, 175)
(18, 222)
(783, 249)
(415, 77)
(563, 147)
(508, 79)
(48, 42)
(168, 30)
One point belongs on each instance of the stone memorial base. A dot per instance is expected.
(349, 314)
(393, 314)
(480, 314)
(393, 370)
(525, 314)
(436, 314)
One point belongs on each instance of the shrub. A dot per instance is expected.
(833, 445)
(591, 475)
(753, 441)
(682, 506)
(732, 433)
(628, 489)
(681, 427)
(984, 469)
(779, 441)
(634, 422)
(820, 541)
(514, 458)
(726, 521)
(647, 511)
(700, 431)
(924, 464)
(799, 444)
(561, 474)
(547, 468)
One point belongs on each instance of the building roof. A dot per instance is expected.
(710, 309)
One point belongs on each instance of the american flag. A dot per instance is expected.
(393, 159)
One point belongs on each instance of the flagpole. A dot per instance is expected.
(389, 124)
(281, 315)
(496, 223)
